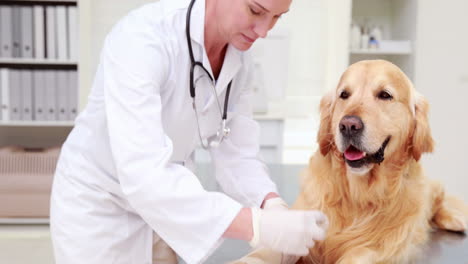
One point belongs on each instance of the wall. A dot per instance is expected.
(442, 76)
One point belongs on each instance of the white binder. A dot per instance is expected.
(1, 93)
(26, 31)
(61, 22)
(6, 41)
(26, 92)
(39, 32)
(5, 101)
(39, 93)
(50, 95)
(61, 92)
(15, 95)
(16, 31)
(72, 17)
(51, 40)
(72, 94)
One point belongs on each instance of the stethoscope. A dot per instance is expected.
(223, 131)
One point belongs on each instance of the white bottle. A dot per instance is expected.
(376, 33)
(365, 39)
(355, 37)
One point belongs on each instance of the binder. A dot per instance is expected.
(16, 33)
(72, 95)
(61, 92)
(1, 88)
(61, 21)
(50, 99)
(39, 32)
(26, 31)
(26, 92)
(15, 95)
(39, 95)
(6, 38)
(72, 17)
(51, 40)
(5, 101)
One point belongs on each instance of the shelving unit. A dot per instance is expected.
(397, 20)
(38, 134)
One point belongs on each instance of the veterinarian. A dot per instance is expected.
(173, 75)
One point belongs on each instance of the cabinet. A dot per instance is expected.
(38, 71)
(396, 20)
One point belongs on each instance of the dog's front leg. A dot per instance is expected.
(449, 213)
(361, 255)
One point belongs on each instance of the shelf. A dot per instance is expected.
(380, 52)
(21, 62)
(23, 221)
(36, 123)
(38, 2)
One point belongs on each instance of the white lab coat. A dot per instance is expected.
(121, 172)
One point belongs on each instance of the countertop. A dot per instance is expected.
(444, 247)
(20, 244)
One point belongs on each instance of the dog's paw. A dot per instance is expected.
(451, 220)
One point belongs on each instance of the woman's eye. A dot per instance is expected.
(254, 12)
(383, 95)
(344, 95)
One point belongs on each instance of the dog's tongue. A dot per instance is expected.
(353, 153)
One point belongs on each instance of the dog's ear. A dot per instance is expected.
(325, 137)
(422, 138)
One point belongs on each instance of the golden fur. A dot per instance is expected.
(378, 213)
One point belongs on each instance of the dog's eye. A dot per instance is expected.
(344, 95)
(384, 95)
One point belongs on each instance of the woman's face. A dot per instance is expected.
(244, 21)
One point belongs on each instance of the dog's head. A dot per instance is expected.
(374, 113)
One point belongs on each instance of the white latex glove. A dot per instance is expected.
(279, 204)
(275, 204)
(288, 231)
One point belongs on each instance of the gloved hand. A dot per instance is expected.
(275, 204)
(288, 231)
(279, 204)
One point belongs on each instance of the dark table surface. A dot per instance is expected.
(444, 247)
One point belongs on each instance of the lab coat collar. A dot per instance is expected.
(197, 22)
(231, 65)
(233, 58)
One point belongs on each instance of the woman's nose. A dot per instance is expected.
(261, 28)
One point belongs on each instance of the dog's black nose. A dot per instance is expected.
(351, 126)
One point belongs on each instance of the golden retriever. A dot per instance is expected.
(366, 176)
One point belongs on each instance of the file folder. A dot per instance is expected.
(15, 95)
(27, 96)
(39, 32)
(61, 21)
(50, 95)
(6, 35)
(61, 92)
(26, 31)
(5, 91)
(39, 95)
(51, 39)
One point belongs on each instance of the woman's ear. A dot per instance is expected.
(325, 137)
(422, 138)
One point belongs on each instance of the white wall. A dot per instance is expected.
(441, 74)
(96, 19)
(306, 23)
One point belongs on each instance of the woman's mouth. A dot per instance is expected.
(247, 39)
